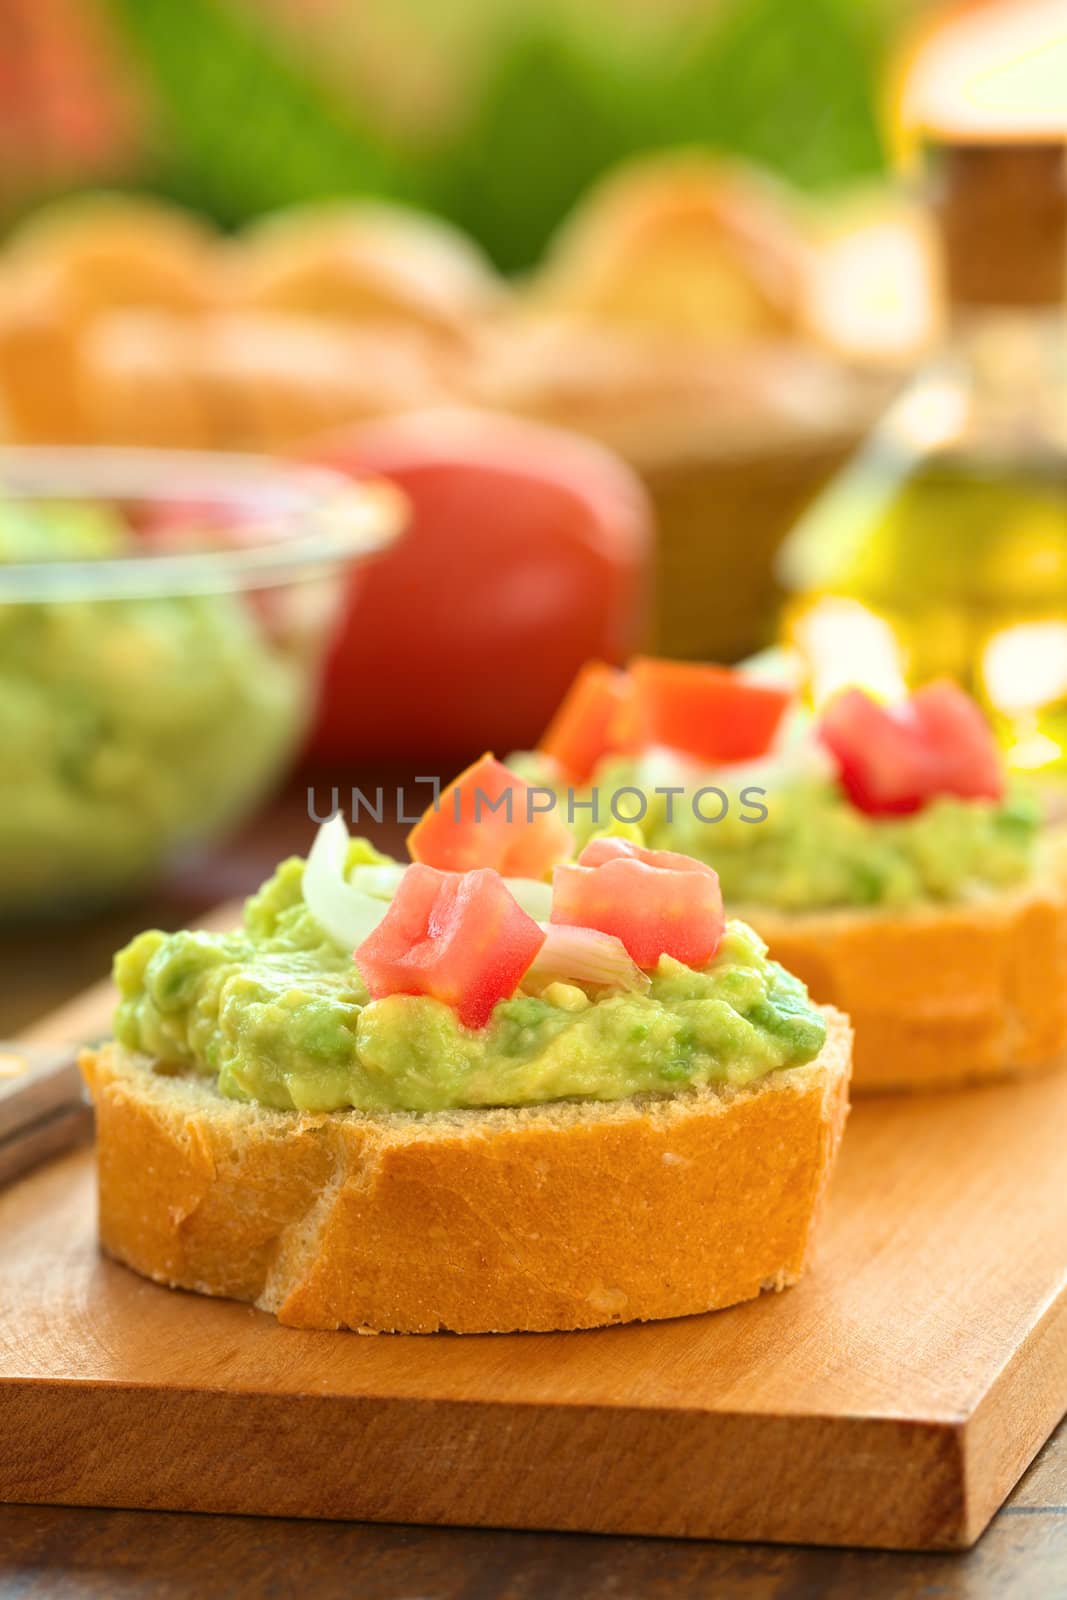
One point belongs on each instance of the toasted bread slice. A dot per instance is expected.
(568, 1215)
(938, 995)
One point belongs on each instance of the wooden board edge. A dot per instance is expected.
(882, 1483)
(1016, 1416)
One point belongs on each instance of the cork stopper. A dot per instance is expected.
(1002, 211)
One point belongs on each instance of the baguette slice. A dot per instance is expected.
(563, 1216)
(939, 996)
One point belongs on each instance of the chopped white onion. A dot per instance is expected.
(349, 908)
(343, 912)
(584, 955)
(534, 897)
(380, 879)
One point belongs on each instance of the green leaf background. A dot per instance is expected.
(245, 123)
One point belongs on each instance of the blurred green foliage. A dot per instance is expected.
(245, 123)
(552, 115)
(242, 127)
(791, 86)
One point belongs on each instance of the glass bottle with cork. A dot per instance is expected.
(942, 547)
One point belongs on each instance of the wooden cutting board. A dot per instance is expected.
(892, 1399)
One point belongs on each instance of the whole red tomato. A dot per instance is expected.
(528, 552)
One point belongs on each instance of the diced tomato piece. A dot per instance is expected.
(581, 732)
(656, 901)
(894, 759)
(883, 760)
(599, 851)
(965, 751)
(714, 713)
(460, 937)
(488, 818)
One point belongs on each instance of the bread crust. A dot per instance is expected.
(563, 1216)
(939, 996)
(723, 229)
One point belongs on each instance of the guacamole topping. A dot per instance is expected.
(131, 728)
(813, 850)
(277, 1013)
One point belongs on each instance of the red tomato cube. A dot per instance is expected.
(884, 762)
(489, 818)
(894, 759)
(714, 713)
(582, 730)
(968, 761)
(459, 937)
(656, 902)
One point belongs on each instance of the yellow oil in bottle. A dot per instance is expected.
(951, 564)
(941, 549)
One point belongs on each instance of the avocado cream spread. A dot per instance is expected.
(796, 842)
(278, 1014)
(130, 727)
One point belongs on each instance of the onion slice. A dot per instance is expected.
(381, 879)
(584, 955)
(343, 912)
(348, 909)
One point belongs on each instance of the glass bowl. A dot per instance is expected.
(163, 619)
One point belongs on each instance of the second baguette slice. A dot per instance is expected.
(939, 996)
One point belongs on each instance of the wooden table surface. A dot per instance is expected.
(48, 1552)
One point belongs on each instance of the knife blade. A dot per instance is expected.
(43, 1106)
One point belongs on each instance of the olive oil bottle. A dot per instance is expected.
(942, 547)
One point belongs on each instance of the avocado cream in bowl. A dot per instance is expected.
(162, 622)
